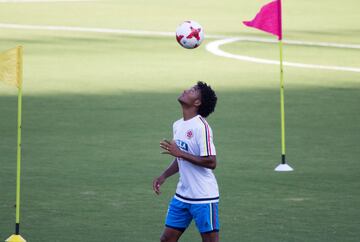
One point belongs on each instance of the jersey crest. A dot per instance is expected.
(189, 134)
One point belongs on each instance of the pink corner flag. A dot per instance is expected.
(268, 19)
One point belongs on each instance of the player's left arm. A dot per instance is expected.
(172, 149)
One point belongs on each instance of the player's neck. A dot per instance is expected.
(189, 113)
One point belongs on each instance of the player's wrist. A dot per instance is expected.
(162, 177)
(181, 155)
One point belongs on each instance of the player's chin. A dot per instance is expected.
(181, 99)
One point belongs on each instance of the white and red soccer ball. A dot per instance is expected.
(189, 34)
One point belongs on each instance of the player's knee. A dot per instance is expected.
(164, 238)
(210, 237)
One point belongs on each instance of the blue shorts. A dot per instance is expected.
(180, 214)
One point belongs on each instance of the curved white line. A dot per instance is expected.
(213, 48)
(296, 42)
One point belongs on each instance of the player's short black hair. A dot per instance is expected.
(208, 99)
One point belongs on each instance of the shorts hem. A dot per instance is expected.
(214, 230)
(176, 228)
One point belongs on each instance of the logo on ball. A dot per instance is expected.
(189, 34)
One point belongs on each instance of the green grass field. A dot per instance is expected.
(96, 105)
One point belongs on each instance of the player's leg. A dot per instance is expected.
(178, 219)
(170, 235)
(206, 217)
(210, 237)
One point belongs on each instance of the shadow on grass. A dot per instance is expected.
(88, 164)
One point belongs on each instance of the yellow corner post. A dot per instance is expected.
(282, 104)
(283, 166)
(19, 75)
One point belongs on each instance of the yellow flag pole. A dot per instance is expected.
(18, 160)
(283, 166)
(17, 237)
(282, 104)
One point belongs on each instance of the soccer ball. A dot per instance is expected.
(189, 34)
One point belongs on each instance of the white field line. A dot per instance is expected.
(212, 47)
(295, 42)
(97, 30)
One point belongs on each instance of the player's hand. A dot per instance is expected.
(157, 183)
(170, 147)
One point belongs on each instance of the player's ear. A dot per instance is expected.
(197, 103)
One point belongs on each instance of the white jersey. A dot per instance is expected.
(196, 184)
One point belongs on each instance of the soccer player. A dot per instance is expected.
(197, 193)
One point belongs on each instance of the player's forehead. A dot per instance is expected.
(195, 88)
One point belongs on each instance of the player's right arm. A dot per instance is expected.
(171, 170)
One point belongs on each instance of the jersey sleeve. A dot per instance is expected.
(204, 139)
(174, 128)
